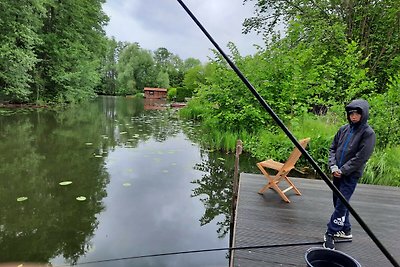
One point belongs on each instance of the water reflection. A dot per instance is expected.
(214, 189)
(36, 155)
(149, 187)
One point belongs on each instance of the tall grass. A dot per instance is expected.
(194, 110)
(321, 130)
(383, 167)
(214, 139)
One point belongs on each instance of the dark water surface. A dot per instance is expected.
(148, 187)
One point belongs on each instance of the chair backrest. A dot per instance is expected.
(294, 156)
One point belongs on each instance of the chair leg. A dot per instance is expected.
(267, 176)
(292, 185)
(283, 196)
(264, 188)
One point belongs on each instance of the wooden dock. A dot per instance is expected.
(266, 220)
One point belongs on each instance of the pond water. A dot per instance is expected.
(101, 183)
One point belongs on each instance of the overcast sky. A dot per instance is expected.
(164, 23)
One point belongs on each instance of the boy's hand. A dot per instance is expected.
(336, 171)
(337, 174)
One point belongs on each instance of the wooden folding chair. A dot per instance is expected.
(283, 170)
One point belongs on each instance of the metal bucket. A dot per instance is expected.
(318, 257)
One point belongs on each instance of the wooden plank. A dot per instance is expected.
(266, 220)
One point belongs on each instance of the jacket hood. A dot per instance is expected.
(359, 104)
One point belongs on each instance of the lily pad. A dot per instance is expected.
(98, 156)
(81, 198)
(89, 144)
(123, 132)
(65, 183)
(20, 199)
(126, 184)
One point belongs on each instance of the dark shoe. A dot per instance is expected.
(329, 242)
(344, 234)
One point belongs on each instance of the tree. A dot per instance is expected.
(171, 64)
(162, 58)
(193, 74)
(162, 80)
(73, 43)
(373, 25)
(19, 26)
(50, 50)
(109, 67)
(135, 69)
(190, 63)
(194, 77)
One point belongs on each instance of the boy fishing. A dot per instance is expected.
(351, 148)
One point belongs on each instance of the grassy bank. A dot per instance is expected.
(382, 168)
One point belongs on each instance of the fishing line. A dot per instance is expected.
(292, 138)
(204, 250)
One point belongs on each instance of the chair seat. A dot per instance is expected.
(283, 170)
(271, 164)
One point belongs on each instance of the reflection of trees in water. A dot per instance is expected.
(215, 189)
(127, 116)
(39, 150)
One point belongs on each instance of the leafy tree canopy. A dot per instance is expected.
(373, 25)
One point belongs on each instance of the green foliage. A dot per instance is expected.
(171, 93)
(228, 104)
(303, 76)
(182, 93)
(383, 167)
(194, 110)
(50, 50)
(135, 70)
(190, 63)
(371, 24)
(384, 114)
(171, 64)
(193, 77)
(138, 68)
(162, 80)
(276, 145)
(305, 72)
(19, 26)
(109, 73)
(73, 42)
(224, 141)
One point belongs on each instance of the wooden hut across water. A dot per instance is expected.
(155, 93)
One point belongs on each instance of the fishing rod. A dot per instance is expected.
(202, 251)
(292, 138)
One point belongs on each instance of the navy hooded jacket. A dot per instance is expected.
(353, 144)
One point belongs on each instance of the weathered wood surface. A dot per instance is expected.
(263, 220)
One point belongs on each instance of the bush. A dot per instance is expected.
(171, 95)
(384, 115)
(182, 93)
